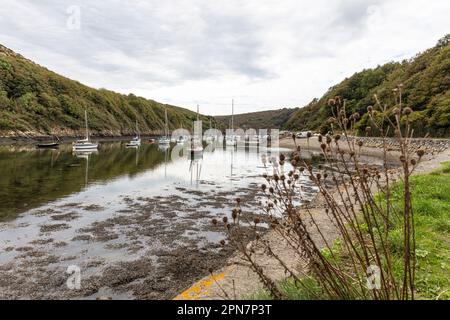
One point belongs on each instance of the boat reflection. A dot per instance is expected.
(195, 168)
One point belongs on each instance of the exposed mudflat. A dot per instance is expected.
(151, 248)
(135, 223)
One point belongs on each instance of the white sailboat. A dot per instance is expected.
(209, 137)
(136, 141)
(231, 139)
(84, 144)
(195, 147)
(165, 140)
(182, 139)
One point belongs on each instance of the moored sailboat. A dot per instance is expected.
(195, 147)
(165, 140)
(84, 144)
(231, 139)
(136, 141)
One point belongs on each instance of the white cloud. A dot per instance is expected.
(265, 54)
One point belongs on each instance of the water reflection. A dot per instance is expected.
(33, 177)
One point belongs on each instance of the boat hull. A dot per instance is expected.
(47, 145)
(91, 146)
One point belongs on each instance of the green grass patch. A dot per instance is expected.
(431, 204)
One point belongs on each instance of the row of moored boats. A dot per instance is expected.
(194, 144)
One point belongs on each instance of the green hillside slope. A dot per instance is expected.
(35, 101)
(426, 84)
(258, 120)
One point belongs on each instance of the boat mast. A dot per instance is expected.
(166, 127)
(86, 122)
(137, 130)
(232, 114)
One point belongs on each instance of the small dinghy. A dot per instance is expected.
(51, 145)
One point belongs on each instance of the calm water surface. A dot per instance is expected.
(118, 205)
(31, 177)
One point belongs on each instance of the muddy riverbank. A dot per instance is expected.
(165, 244)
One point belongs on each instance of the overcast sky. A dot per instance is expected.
(264, 54)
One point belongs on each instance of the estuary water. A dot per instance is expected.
(140, 215)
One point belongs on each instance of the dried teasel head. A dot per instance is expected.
(225, 220)
(413, 162)
(331, 102)
(238, 200)
(282, 157)
(271, 190)
(420, 153)
(263, 187)
(256, 220)
(320, 138)
(309, 135)
(370, 109)
(360, 143)
(337, 137)
(214, 221)
(323, 146)
(402, 158)
(234, 214)
(222, 242)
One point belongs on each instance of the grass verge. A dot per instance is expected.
(431, 203)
